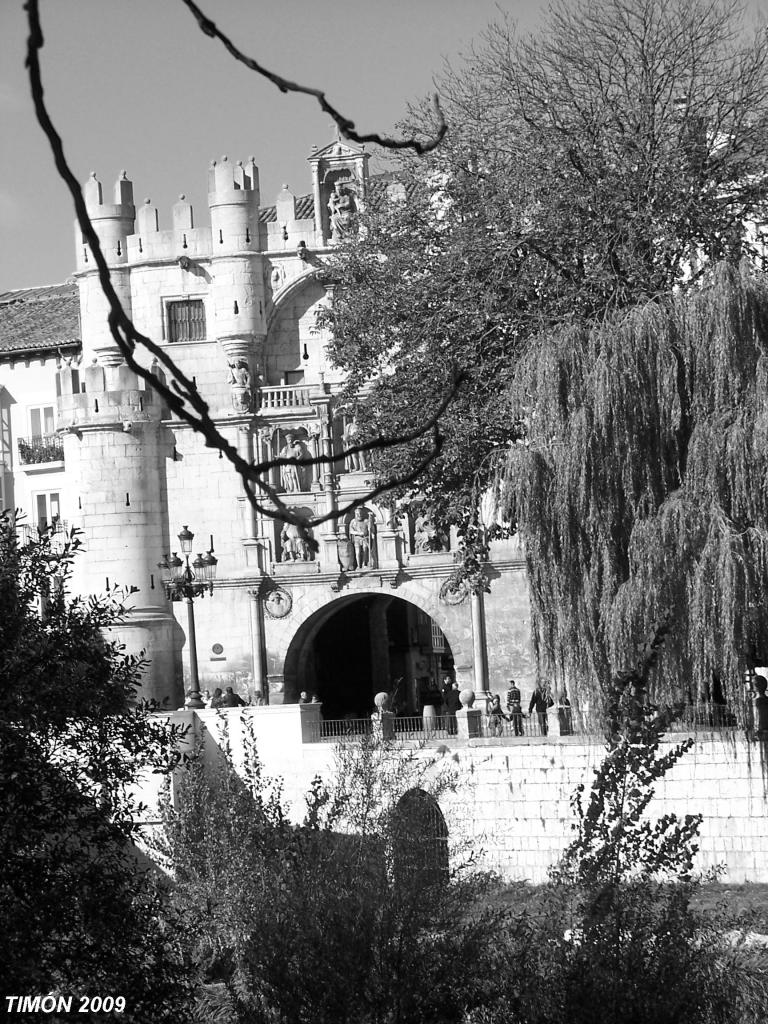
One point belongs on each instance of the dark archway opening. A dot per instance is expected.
(368, 644)
(420, 847)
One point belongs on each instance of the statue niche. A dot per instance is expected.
(239, 380)
(359, 546)
(293, 546)
(357, 462)
(294, 478)
(343, 205)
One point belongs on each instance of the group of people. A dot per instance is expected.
(308, 698)
(444, 700)
(447, 701)
(539, 705)
(229, 699)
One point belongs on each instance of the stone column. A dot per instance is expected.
(258, 652)
(316, 450)
(479, 646)
(245, 451)
(377, 626)
(329, 557)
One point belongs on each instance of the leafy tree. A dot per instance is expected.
(640, 492)
(615, 935)
(81, 912)
(606, 160)
(349, 917)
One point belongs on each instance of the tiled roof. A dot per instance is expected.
(305, 210)
(39, 320)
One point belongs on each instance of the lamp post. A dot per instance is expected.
(185, 582)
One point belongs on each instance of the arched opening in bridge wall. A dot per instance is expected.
(361, 645)
(420, 841)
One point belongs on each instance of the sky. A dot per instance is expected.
(135, 85)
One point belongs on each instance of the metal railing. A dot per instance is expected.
(35, 450)
(58, 531)
(405, 728)
(558, 721)
(704, 716)
(524, 725)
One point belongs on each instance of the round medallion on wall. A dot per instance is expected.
(453, 593)
(277, 603)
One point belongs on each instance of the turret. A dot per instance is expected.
(113, 224)
(238, 277)
(116, 449)
(233, 198)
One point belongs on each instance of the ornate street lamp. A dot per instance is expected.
(185, 582)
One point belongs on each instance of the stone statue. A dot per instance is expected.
(291, 476)
(355, 463)
(360, 535)
(342, 209)
(294, 546)
(423, 535)
(240, 381)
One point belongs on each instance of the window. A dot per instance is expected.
(186, 320)
(41, 421)
(47, 509)
(438, 640)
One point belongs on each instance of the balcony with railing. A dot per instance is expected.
(285, 398)
(58, 531)
(41, 450)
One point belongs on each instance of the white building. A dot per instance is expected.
(83, 441)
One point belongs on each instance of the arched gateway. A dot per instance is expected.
(363, 643)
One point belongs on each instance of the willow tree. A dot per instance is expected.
(640, 492)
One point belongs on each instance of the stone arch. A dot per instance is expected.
(420, 855)
(297, 646)
(286, 292)
(292, 348)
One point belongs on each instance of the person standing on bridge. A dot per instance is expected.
(496, 716)
(540, 703)
(515, 707)
(452, 705)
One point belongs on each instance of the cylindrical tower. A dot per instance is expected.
(239, 300)
(116, 447)
(113, 224)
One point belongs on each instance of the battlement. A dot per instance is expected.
(107, 395)
(183, 239)
(113, 222)
(238, 224)
(122, 207)
(228, 183)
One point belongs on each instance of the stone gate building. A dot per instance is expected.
(84, 443)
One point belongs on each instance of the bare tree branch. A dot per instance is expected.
(344, 124)
(182, 396)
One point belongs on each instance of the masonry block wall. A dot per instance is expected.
(512, 799)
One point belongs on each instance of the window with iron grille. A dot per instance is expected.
(186, 320)
(438, 640)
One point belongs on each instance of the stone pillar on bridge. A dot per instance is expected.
(468, 718)
(479, 643)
